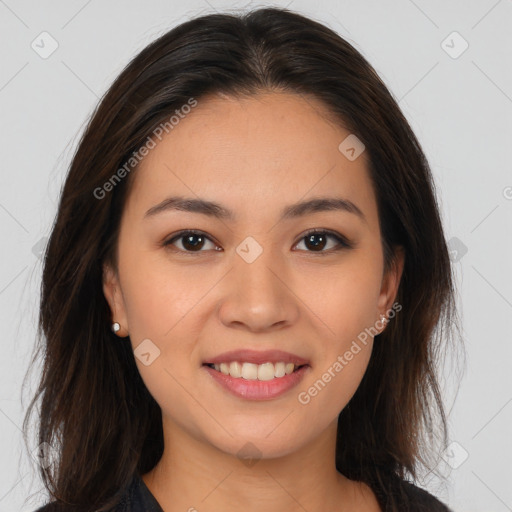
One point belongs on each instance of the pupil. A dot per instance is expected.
(188, 243)
(310, 238)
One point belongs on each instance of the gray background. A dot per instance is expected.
(458, 102)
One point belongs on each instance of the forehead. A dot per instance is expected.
(253, 152)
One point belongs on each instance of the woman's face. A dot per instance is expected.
(252, 279)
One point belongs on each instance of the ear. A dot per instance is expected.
(113, 294)
(391, 282)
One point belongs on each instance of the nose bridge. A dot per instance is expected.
(257, 295)
(257, 266)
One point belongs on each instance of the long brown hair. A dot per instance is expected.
(95, 411)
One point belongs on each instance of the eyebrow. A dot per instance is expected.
(216, 210)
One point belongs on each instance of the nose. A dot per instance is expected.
(258, 296)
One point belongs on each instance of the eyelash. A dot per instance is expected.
(343, 243)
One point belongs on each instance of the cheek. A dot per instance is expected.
(344, 358)
(345, 299)
(159, 295)
(161, 306)
(346, 302)
(330, 389)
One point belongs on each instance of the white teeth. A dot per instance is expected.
(289, 368)
(266, 371)
(280, 370)
(251, 371)
(235, 369)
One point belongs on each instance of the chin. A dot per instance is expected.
(250, 447)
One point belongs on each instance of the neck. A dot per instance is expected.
(194, 474)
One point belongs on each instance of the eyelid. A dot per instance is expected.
(342, 240)
(168, 242)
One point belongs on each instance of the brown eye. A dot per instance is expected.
(190, 241)
(317, 240)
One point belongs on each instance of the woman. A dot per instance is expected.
(243, 284)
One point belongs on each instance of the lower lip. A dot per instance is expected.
(258, 389)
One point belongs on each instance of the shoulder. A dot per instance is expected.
(136, 497)
(423, 500)
(398, 494)
(50, 507)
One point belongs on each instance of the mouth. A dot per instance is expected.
(251, 371)
(250, 381)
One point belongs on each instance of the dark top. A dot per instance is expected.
(409, 497)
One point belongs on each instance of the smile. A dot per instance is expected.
(252, 387)
(251, 371)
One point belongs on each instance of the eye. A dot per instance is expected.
(191, 241)
(317, 239)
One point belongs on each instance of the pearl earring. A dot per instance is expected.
(115, 327)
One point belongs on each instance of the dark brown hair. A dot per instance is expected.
(95, 410)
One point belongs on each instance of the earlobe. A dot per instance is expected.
(391, 281)
(113, 295)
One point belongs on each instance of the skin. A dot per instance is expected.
(239, 152)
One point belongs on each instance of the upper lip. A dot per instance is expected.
(257, 357)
